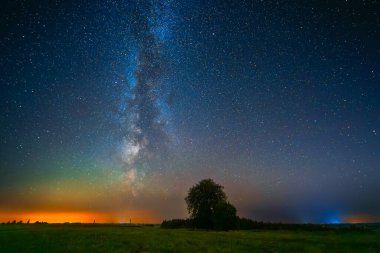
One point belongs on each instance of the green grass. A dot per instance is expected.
(113, 238)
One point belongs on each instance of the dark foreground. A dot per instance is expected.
(115, 238)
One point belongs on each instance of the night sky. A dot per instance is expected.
(111, 110)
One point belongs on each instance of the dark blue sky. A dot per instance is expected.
(277, 100)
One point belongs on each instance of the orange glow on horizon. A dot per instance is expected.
(361, 219)
(140, 216)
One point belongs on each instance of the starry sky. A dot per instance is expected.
(111, 109)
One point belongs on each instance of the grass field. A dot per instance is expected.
(114, 238)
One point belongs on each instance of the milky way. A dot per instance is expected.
(145, 133)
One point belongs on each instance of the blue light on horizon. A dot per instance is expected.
(333, 220)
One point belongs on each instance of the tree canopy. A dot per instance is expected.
(224, 217)
(208, 207)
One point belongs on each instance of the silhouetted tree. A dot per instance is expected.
(202, 201)
(224, 216)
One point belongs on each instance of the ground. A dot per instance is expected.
(116, 238)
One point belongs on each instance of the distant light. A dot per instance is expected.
(334, 220)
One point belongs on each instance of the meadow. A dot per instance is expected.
(117, 238)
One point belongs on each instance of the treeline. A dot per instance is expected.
(248, 224)
(210, 209)
(178, 223)
(21, 222)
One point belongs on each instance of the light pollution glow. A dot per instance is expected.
(138, 216)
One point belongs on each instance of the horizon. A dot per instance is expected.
(113, 110)
(102, 218)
